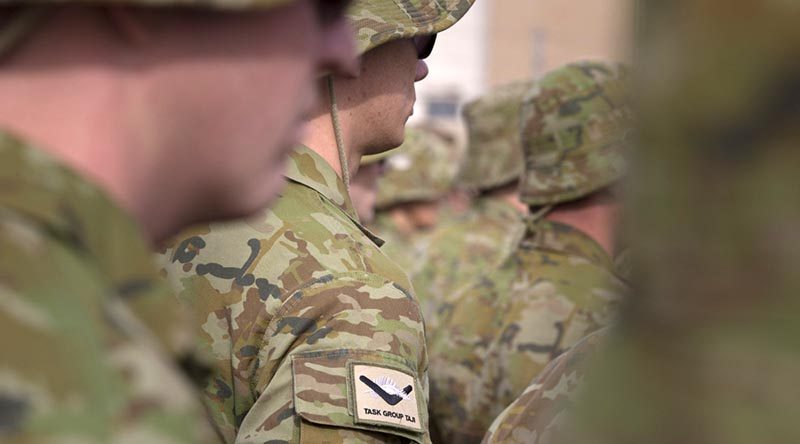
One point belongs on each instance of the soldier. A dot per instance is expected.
(540, 411)
(559, 284)
(418, 176)
(113, 139)
(484, 235)
(316, 335)
(708, 350)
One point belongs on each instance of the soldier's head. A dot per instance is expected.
(211, 94)
(418, 176)
(394, 37)
(493, 161)
(576, 130)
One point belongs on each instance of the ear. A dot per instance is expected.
(129, 25)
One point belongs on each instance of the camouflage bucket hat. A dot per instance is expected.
(422, 169)
(576, 124)
(494, 153)
(380, 21)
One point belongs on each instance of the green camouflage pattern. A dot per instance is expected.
(575, 126)
(459, 250)
(380, 21)
(708, 351)
(494, 150)
(542, 409)
(421, 169)
(90, 337)
(215, 4)
(498, 333)
(286, 302)
(404, 249)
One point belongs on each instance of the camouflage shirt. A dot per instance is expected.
(89, 335)
(459, 251)
(315, 333)
(539, 413)
(500, 332)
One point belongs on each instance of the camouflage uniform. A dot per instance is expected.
(421, 170)
(541, 410)
(558, 285)
(289, 303)
(708, 350)
(316, 334)
(91, 338)
(486, 234)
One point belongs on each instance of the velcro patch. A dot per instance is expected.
(385, 396)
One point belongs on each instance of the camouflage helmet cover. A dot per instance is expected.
(422, 169)
(380, 21)
(575, 123)
(494, 152)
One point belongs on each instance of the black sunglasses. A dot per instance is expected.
(424, 45)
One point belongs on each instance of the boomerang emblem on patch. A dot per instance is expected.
(386, 389)
(385, 396)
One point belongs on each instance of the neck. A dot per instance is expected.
(595, 216)
(321, 138)
(510, 194)
(403, 221)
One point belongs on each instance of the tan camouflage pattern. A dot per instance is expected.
(90, 338)
(421, 169)
(462, 248)
(215, 4)
(575, 126)
(497, 334)
(542, 409)
(286, 302)
(494, 151)
(380, 21)
(708, 351)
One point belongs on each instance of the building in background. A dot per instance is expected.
(501, 41)
(527, 38)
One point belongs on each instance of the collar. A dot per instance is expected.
(309, 169)
(564, 239)
(67, 207)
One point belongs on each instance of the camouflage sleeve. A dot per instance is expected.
(72, 370)
(539, 411)
(343, 360)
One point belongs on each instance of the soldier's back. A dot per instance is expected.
(502, 330)
(457, 252)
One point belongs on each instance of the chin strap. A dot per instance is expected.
(18, 27)
(337, 132)
(532, 220)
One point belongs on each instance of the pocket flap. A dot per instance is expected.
(360, 389)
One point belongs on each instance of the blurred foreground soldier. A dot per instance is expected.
(559, 284)
(316, 334)
(121, 124)
(541, 410)
(410, 196)
(484, 235)
(709, 349)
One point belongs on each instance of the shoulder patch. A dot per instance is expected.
(385, 396)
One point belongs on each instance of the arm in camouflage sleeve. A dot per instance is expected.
(308, 384)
